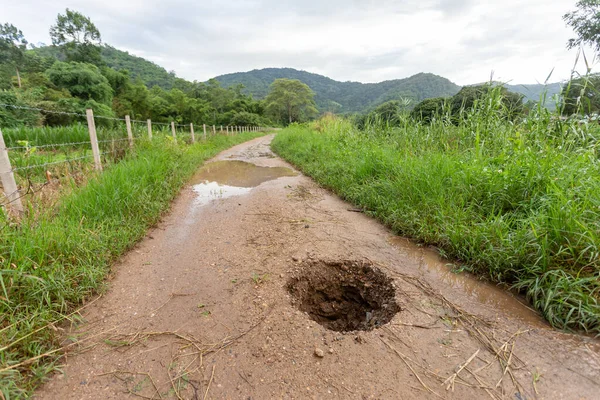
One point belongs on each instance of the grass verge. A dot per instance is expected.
(518, 203)
(53, 260)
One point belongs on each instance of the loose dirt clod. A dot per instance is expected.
(344, 295)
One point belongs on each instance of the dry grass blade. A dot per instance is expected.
(404, 359)
(450, 381)
(122, 372)
(481, 330)
(209, 382)
(48, 325)
(49, 353)
(485, 387)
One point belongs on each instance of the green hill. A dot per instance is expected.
(345, 97)
(331, 95)
(535, 91)
(150, 73)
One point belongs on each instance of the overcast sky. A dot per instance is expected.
(359, 40)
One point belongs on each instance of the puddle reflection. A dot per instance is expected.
(430, 262)
(224, 179)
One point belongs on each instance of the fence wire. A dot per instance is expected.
(70, 113)
(27, 167)
(43, 146)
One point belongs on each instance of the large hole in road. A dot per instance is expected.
(344, 296)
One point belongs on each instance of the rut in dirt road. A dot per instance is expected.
(259, 284)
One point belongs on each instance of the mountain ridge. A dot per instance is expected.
(345, 97)
(361, 97)
(330, 95)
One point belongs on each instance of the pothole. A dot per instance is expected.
(344, 296)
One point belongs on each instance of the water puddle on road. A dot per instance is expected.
(223, 179)
(432, 264)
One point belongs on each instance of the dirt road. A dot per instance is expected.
(247, 288)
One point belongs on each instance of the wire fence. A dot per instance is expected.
(50, 163)
(30, 157)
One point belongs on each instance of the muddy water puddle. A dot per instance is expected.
(223, 179)
(432, 264)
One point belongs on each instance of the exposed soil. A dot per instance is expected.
(259, 284)
(344, 296)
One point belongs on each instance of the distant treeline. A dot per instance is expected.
(72, 75)
(580, 96)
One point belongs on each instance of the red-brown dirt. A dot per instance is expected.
(212, 305)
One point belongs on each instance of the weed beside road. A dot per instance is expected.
(56, 258)
(516, 202)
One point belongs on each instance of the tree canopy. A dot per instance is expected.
(79, 37)
(12, 47)
(66, 78)
(459, 105)
(345, 97)
(582, 95)
(429, 109)
(585, 21)
(290, 101)
(84, 81)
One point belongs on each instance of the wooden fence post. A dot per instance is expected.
(173, 129)
(227, 127)
(192, 132)
(204, 127)
(129, 133)
(94, 138)
(214, 131)
(149, 129)
(8, 179)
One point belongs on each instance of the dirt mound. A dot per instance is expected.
(344, 295)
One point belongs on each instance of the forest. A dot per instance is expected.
(53, 85)
(47, 85)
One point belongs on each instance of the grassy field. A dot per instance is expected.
(57, 257)
(515, 202)
(31, 147)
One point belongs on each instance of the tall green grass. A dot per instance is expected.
(53, 260)
(517, 202)
(45, 135)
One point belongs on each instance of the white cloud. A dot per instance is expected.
(360, 40)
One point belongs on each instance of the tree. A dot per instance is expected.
(12, 47)
(79, 37)
(84, 81)
(465, 99)
(290, 100)
(244, 118)
(585, 21)
(582, 95)
(429, 109)
(388, 112)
